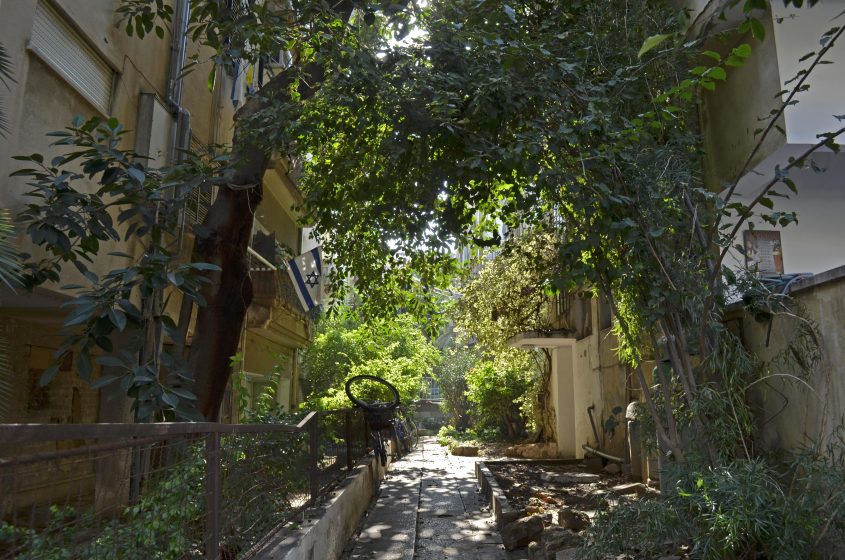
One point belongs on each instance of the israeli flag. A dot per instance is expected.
(306, 273)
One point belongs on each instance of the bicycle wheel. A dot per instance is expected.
(402, 436)
(367, 392)
(413, 433)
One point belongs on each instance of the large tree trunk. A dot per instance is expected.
(229, 222)
(220, 322)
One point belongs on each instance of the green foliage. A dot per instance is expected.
(451, 376)
(450, 437)
(263, 408)
(260, 476)
(394, 349)
(164, 524)
(761, 508)
(10, 264)
(500, 390)
(133, 205)
(510, 292)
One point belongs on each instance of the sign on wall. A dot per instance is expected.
(763, 251)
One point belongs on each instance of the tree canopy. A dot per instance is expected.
(393, 349)
(574, 117)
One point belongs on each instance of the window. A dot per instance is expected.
(201, 197)
(59, 45)
(152, 131)
(432, 389)
(279, 61)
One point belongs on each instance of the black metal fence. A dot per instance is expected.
(168, 490)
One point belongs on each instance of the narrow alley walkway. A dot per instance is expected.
(429, 508)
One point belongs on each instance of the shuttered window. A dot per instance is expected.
(201, 198)
(61, 47)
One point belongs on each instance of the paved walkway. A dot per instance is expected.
(429, 508)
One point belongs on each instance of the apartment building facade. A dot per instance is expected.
(70, 58)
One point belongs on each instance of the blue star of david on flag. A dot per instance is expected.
(312, 279)
(305, 272)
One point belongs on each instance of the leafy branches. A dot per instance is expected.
(134, 205)
(395, 349)
(560, 120)
(5, 78)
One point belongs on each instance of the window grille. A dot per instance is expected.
(200, 199)
(197, 204)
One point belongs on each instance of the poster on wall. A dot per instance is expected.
(763, 251)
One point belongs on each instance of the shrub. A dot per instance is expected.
(758, 508)
(451, 376)
(396, 350)
(500, 390)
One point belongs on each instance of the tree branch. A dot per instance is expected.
(776, 116)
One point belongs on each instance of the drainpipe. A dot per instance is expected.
(180, 130)
(180, 135)
(178, 53)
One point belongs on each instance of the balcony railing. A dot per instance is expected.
(168, 490)
(271, 288)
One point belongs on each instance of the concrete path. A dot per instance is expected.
(429, 508)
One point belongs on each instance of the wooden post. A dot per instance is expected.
(347, 427)
(212, 502)
(314, 457)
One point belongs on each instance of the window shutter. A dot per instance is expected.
(62, 48)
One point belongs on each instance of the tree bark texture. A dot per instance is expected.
(220, 321)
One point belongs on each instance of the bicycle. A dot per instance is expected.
(406, 430)
(379, 414)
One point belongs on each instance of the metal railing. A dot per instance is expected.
(167, 490)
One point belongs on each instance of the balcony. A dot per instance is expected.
(273, 294)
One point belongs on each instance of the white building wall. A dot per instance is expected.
(797, 33)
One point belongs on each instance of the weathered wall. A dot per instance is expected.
(587, 373)
(40, 101)
(328, 527)
(613, 376)
(791, 414)
(730, 115)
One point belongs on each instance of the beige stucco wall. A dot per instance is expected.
(563, 401)
(41, 101)
(587, 373)
(809, 412)
(730, 114)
